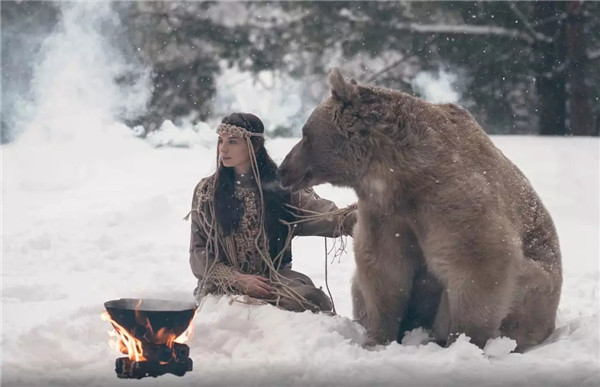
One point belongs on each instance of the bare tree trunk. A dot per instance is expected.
(550, 77)
(579, 110)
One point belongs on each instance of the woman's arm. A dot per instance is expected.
(309, 203)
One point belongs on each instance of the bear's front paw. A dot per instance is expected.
(370, 343)
(373, 340)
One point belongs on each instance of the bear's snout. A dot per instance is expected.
(288, 173)
(292, 172)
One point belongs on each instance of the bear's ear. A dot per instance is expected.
(346, 92)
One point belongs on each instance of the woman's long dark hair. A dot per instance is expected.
(229, 209)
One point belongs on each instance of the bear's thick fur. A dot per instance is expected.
(450, 235)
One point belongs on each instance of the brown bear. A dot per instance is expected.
(450, 233)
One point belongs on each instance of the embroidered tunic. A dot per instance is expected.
(215, 260)
(248, 236)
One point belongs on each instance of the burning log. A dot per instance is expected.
(128, 369)
(151, 333)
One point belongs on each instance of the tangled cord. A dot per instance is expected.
(223, 277)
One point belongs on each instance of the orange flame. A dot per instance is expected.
(185, 336)
(132, 347)
(126, 343)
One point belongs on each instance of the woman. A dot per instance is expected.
(243, 221)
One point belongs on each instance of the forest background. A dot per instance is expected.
(519, 67)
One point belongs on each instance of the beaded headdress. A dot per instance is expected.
(237, 131)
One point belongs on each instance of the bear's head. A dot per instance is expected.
(338, 138)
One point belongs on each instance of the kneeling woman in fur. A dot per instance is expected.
(243, 221)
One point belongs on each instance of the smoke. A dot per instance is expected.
(436, 88)
(83, 84)
(24, 28)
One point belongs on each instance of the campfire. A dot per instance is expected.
(152, 334)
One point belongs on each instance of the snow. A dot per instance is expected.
(499, 347)
(84, 224)
(91, 213)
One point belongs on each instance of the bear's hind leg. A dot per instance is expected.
(533, 313)
(477, 307)
(479, 274)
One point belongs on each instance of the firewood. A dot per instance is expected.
(128, 369)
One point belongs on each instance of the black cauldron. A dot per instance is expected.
(145, 318)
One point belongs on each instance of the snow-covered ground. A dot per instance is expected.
(99, 218)
(90, 213)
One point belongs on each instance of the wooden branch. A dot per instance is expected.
(396, 63)
(465, 29)
(388, 68)
(532, 32)
(551, 19)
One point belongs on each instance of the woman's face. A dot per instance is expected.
(233, 153)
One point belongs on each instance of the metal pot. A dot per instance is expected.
(151, 320)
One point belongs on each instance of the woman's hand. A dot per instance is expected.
(254, 286)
